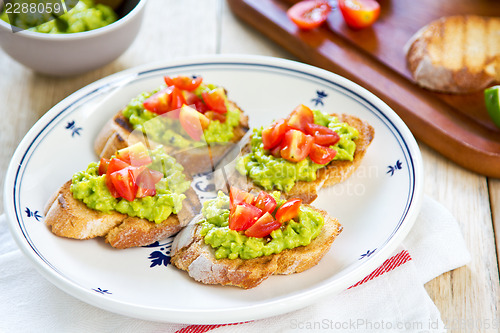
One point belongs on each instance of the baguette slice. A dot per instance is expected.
(335, 172)
(456, 54)
(71, 218)
(118, 133)
(191, 254)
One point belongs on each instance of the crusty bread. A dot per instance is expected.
(118, 133)
(191, 254)
(71, 218)
(335, 172)
(456, 54)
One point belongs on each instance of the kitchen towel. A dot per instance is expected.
(391, 298)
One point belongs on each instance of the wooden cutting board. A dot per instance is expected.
(457, 126)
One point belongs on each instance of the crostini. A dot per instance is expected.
(242, 239)
(135, 198)
(301, 154)
(194, 121)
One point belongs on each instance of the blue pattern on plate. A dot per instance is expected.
(102, 291)
(34, 214)
(395, 167)
(320, 95)
(367, 254)
(161, 256)
(74, 129)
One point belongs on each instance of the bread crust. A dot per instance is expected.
(456, 54)
(191, 254)
(118, 133)
(335, 172)
(71, 218)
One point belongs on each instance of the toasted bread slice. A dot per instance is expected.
(118, 133)
(71, 218)
(191, 254)
(456, 54)
(335, 172)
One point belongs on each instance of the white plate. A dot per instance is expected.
(377, 205)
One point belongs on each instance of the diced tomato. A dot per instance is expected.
(215, 99)
(296, 145)
(321, 154)
(323, 135)
(135, 155)
(359, 14)
(263, 226)
(193, 100)
(103, 166)
(299, 117)
(216, 116)
(274, 134)
(265, 202)
(165, 100)
(184, 82)
(146, 182)
(309, 14)
(193, 122)
(124, 183)
(243, 216)
(288, 211)
(237, 196)
(114, 164)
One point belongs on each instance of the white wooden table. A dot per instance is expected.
(175, 29)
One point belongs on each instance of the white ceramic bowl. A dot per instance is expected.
(75, 53)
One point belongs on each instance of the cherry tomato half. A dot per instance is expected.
(296, 145)
(146, 182)
(124, 183)
(321, 154)
(309, 14)
(184, 82)
(136, 155)
(165, 100)
(243, 216)
(215, 99)
(323, 136)
(288, 211)
(263, 226)
(359, 14)
(265, 202)
(237, 196)
(193, 122)
(300, 117)
(274, 134)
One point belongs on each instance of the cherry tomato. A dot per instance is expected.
(215, 99)
(237, 196)
(165, 100)
(103, 166)
(321, 154)
(146, 182)
(263, 226)
(299, 117)
(276, 151)
(243, 216)
(296, 145)
(135, 155)
(193, 100)
(184, 82)
(124, 183)
(288, 211)
(265, 202)
(323, 135)
(359, 14)
(193, 122)
(309, 14)
(274, 134)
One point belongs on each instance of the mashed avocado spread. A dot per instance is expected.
(39, 16)
(169, 131)
(233, 244)
(276, 172)
(91, 188)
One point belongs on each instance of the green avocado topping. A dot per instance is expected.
(169, 131)
(91, 188)
(234, 244)
(277, 173)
